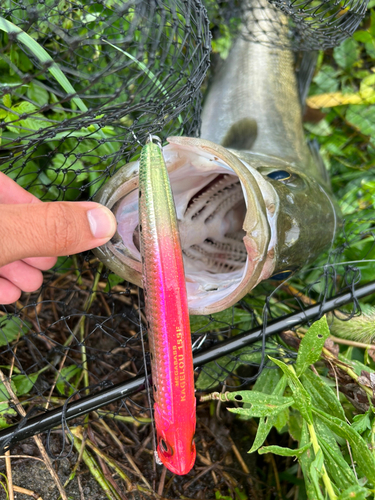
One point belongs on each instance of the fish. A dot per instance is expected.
(167, 314)
(253, 199)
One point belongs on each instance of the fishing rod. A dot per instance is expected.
(46, 421)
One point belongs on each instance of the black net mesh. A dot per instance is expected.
(132, 69)
(313, 25)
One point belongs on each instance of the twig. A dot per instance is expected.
(29, 493)
(143, 447)
(38, 441)
(107, 474)
(239, 457)
(82, 495)
(353, 343)
(198, 476)
(8, 467)
(276, 474)
(162, 481)
(219, 404)
(131, 461)
(92, 465)
(24, 456)
(77, 431)
(56, 379)
(79, 459)
(231, 482)
(204, 444)
(299, 295)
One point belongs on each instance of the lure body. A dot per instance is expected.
(167, 314)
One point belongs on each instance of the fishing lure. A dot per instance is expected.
(167, 314)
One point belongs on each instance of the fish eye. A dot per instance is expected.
(279, 175)
(282, 275)
(165, 448)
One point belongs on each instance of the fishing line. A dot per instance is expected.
(157, 460)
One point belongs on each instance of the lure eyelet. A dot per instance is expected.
(165, 449)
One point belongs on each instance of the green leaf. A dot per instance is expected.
(284, 452)
(362, 36)
(217, 371)
(63, 265)
(305, 461)
(6, 411)
(326, 433)
(361, 116)
(37, 94)
(4, 394)
(316, 470)
(302, 400)
(266, 424)
(11, 327)
(322, 128)
(258, 398)
(24, 174)
(327, 79)
(112, 281)
(24, 383)
(338, 469)
(354, 492)
(282, 419)
(7, 100)
(262, 405)
(361, 453)
(214, 372)
(66, 374)
(347, 53)
(34, 121)
(213, 322)
(219, 496)
(362, 423)
(311, 345)
(322, 396)
(66, 171)
(295, 424)
(267, 380)
(43, 56)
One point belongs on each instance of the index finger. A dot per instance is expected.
(11, 193)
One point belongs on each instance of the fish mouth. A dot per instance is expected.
(226, 214)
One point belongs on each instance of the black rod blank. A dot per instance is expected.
(50, 419)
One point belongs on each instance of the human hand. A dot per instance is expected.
(33, 234)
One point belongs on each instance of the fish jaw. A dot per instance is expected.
(193, 166)
(175, 441)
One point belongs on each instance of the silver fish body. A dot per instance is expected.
(252, 200)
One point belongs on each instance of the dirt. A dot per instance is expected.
(34, 476)
(217, 469)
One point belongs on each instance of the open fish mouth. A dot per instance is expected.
(226, 213)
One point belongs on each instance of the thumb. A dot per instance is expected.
(52, 229)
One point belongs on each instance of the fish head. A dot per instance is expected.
(238, 223)
(308, 216)
(175, 441)
(222, 217)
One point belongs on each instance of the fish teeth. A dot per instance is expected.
(224, 201)
(215, 256)
(236, 248)
(199, 203)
